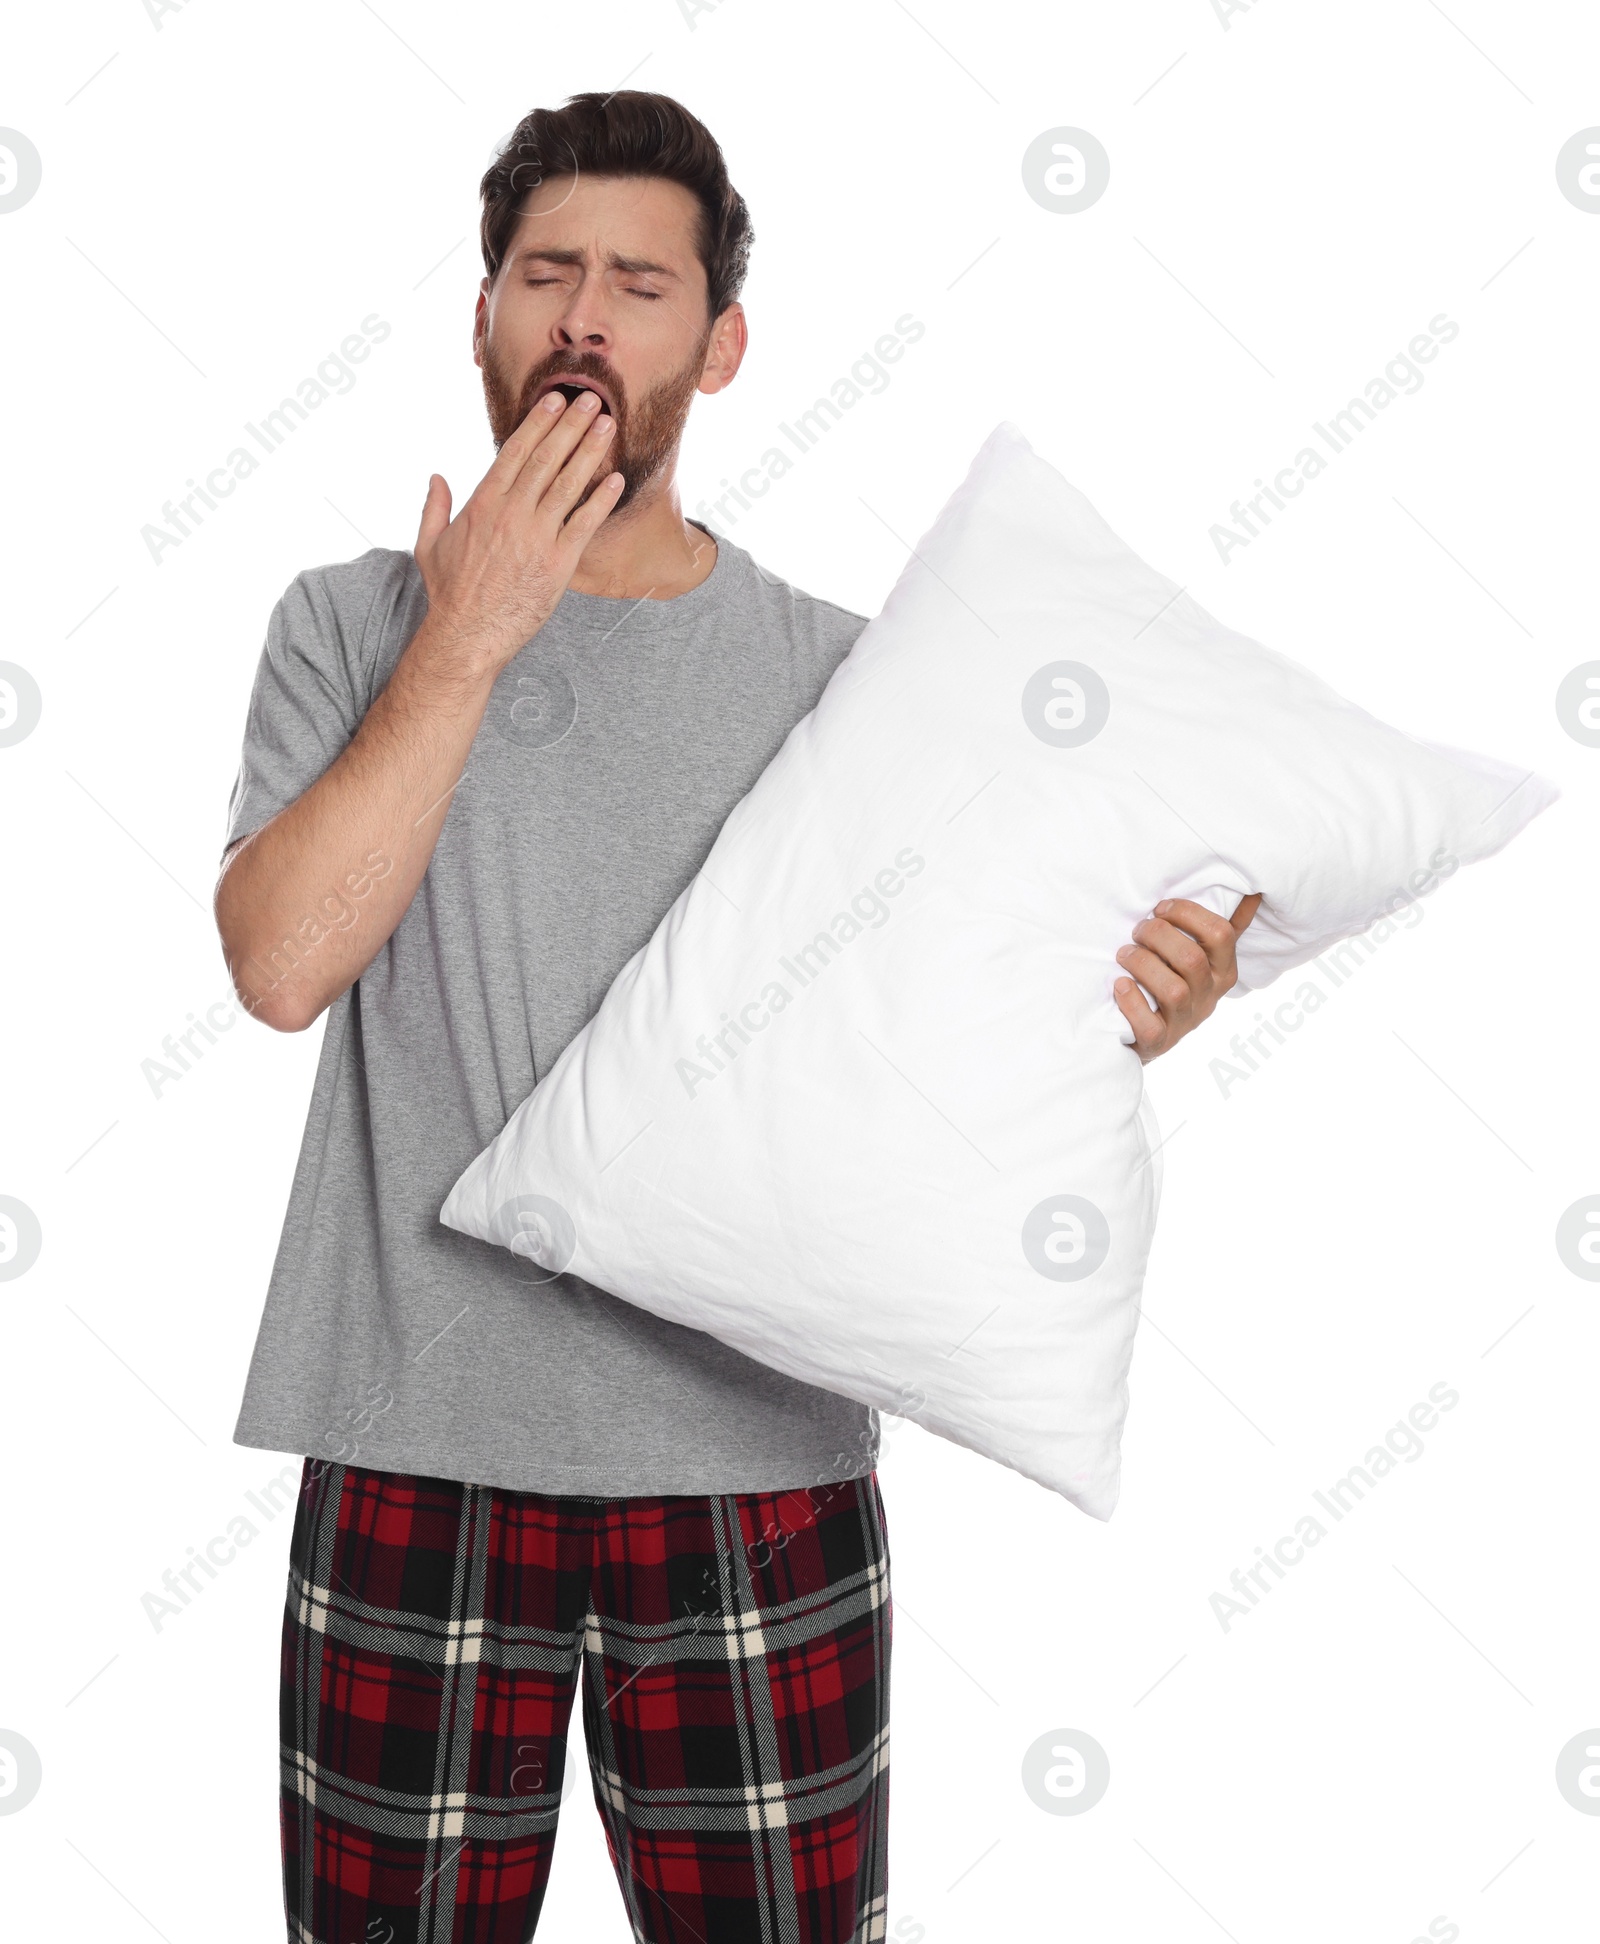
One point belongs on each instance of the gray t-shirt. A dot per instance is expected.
(613, 748)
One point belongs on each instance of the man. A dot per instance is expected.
(474, 778)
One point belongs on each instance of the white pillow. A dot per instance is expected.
(864, 1107)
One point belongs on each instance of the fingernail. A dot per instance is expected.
(605, 425)
(587, 401)
(1165, 905)
(552, 401)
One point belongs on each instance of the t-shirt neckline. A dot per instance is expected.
(608, 610)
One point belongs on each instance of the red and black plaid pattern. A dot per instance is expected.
(734, 1654)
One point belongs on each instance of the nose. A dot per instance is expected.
(583, 326)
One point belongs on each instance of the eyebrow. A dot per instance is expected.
(632, 266)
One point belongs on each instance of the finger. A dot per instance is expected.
(524, 442)
(555, 448)
(435, 513)
(1199, 963)
(566, 489)
(1244, 911)
(1149, 1029)
(1215, 936)
(1170, 990)
(1206, 926)
(581, 525)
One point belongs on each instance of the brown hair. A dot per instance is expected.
(626, 134)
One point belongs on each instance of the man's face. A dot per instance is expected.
(602, 286)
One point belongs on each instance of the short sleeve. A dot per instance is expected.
(309, 696)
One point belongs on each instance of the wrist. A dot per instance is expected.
(462, 652)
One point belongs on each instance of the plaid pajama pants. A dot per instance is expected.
(734, 1653)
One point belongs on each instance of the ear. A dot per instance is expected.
(480, 323)
(725, 349)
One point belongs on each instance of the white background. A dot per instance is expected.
(1294, 194)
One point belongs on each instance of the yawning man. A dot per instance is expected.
(474, 778)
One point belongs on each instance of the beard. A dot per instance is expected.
(648, 430)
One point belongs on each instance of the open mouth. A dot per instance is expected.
(570, 390)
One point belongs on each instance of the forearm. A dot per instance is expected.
(305, 904)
